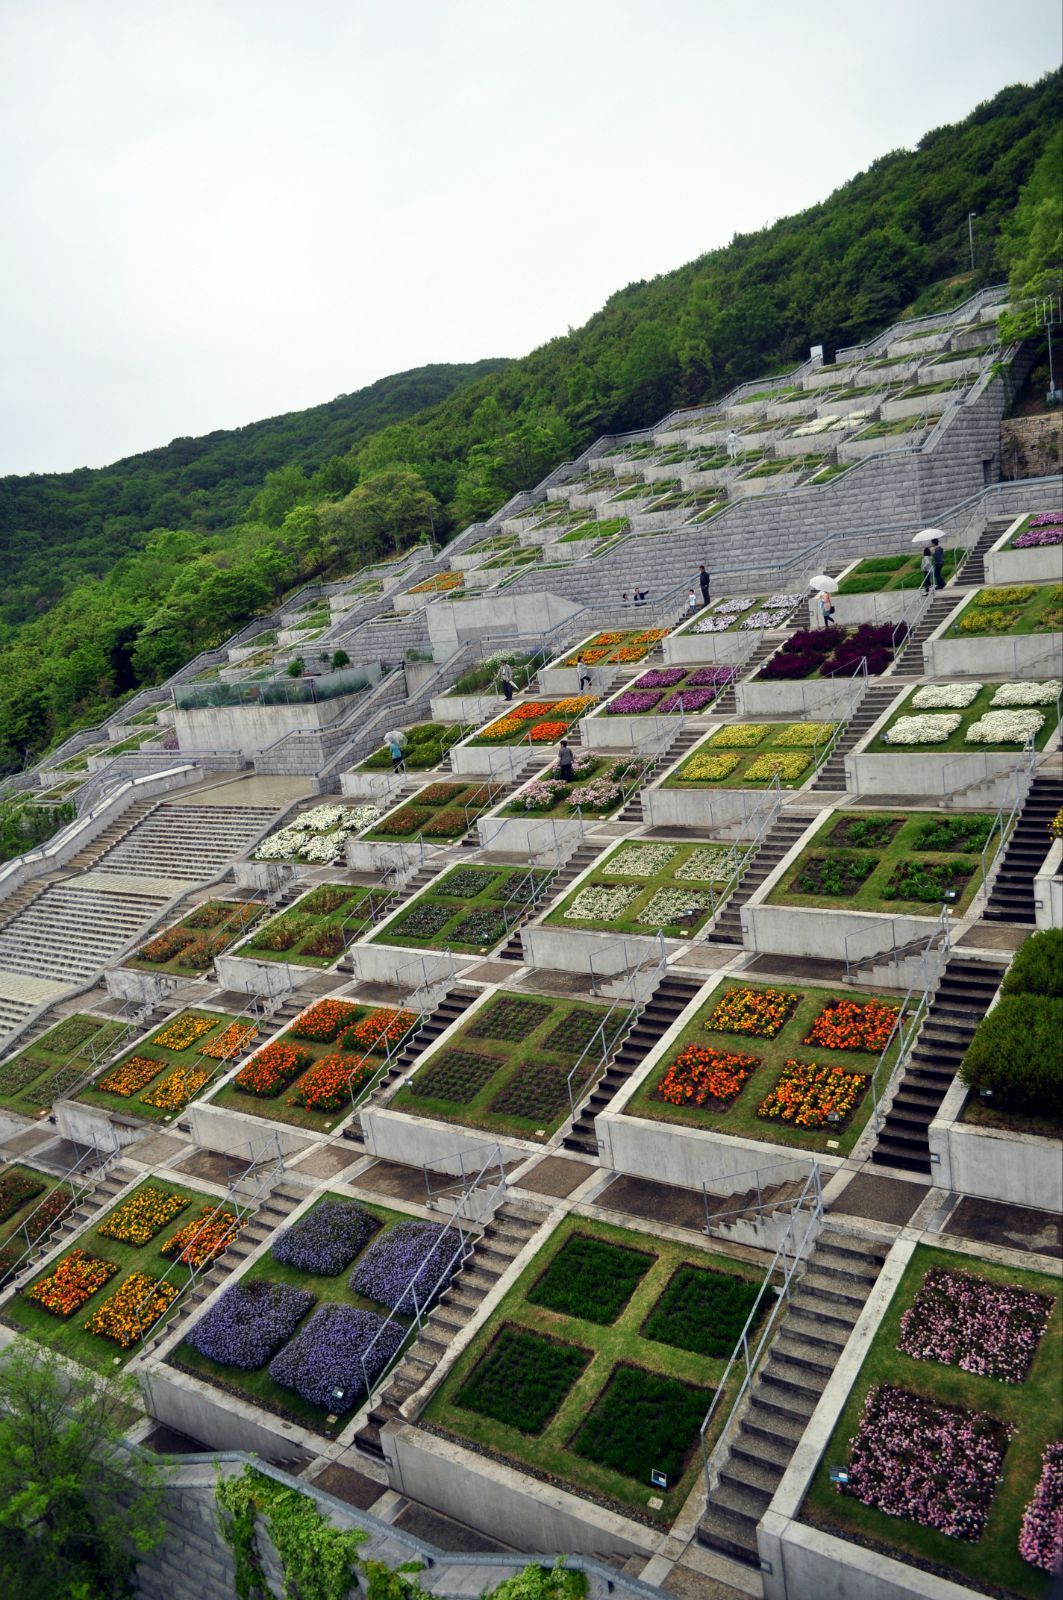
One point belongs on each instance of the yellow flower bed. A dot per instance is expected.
(136, 1305)
(709, 769)
(804, 735)
(177, 1088)
(741, 735)
(785, 767)
(185, 1031)
(140, 1217)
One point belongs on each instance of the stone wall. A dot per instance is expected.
(1031, 447)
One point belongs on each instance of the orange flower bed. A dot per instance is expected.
(573, 705)
(547, 732)
(379, 1029)
(141, 1217)
(177, 1088)
(330, 1083)
(134, 1307)
(760, 1013)
(205, 1237)
(847, 1025)
(129, 1076)
(231, 1041)
(324, 1021)
(272, 1069)
(185, 1031)
(504, 728)
(75, 1280)
(808, 1095)
(699, 1076)
(628, 653)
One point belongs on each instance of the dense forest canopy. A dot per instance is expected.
(114, 577)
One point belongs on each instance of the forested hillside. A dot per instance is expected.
(216, 529)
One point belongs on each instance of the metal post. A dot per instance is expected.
(970, 235)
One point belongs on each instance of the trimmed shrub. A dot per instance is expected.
(1015, 1055)
(1038, 966)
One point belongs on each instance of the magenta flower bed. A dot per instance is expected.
(250, 1323)
(1037, 536)
(709, 675)
(327, 1356)
(1041, 1534)
(659, 678)
(834, 652)
(410, 1251)
(688, 700)
(936, 1465)
(990, 1329)
(633, 701)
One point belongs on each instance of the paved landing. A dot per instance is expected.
(655, 1202)
(19, 986)
(556, 1176)
(348, 1485)
(444, 1532)
(879, 1199)
(157, 889)
(247, 792)
(326, 1162)
(1014, 1227)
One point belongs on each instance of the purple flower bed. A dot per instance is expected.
(708, 675)
(327, 1356)
(936, 1465)
(1046, 519)
(633, 701)
(250, 1323)
(1041, 1534)
(386, 1271)
(688, 700)
(1034, 537)
(659, 678)
(991, 1329)
(327, 1239)
(833, 651)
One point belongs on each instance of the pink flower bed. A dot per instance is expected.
(933, 1464)
(1035, 537)
(708, 675)
(990, 1329)
(1041, 1534)
(660, 678)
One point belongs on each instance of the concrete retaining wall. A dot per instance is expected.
(1002, 566)
(582, 950)
(1011, 655)
(248, 976)
(146, 988)
(1021, 1169)
(233, 1132)
(967, 780)
(1048, 889)
(690, 1156)
(221, 1421)
(536, 838)
(443, 1146)
(92, 1125)
(381, 963)
(790, 931)
(710, 649)
(721, 812)
(251, 728)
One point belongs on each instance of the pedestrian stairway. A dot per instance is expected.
(813, 1332)
(1011, 898)
(578, 861)
(781, 838)
(671, 996)
(972, 573)
(450, 1008)
(725, 704)
(959, 1004)
(68, 933)
(189, 842)
(875, 700)
(911, 662)
(678, 747)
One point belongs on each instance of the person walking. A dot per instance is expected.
(398, 756)
(937, 551)
(564, 762)
(506, 676)
(732, 446)
(692, 602)
(584, 674)
(826, 607)
(927, 566)
(703, 580)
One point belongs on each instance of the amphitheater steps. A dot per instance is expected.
(67, 934)
(194, 843)
(780, 840)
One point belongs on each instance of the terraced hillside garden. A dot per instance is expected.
(747, 614)
(534, 721)
(788, 1066)
(1014, 608)
(892, 863)
(973, 716)
(669, 691)
(834, 652)
(159, 1076)
(94, 1301)
(291, 1334)
(470, 909)
(50, 1066)
(317, 836)
(188, 947)
(426, 744)
(600, 1364)
(751, 755)
(651, 886)
(600, 786)
(443, 810)
(876, 574)
(316, 930)
(310, 1075)
(948, 1432)
(32, 1203)
(483, 679)
(507, 1068)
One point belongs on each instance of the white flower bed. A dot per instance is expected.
(775, 602)
(707, 863)
(809, 429)
(953, 695)
(1004, 727)
(601, 903)
(641, 860)
(1027, 694)
(714, 624)
(735, 603)
(765, 619)
(922, 730)
(317, 835)
(671, 905)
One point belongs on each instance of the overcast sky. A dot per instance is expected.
(217, 210)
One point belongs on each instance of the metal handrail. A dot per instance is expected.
(742, 851)
(1019, 781)
(758, 1176)
(906, 1027)
(609, 1042)
(893, 953)
(78, 1180)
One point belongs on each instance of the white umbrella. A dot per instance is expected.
(821, 581)
(396, 736)
(928, 534)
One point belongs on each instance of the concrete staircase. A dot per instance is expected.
(578, 861)
(911, 663)
(959, 1004)
(68, 933)
(119, 829)
(672, 995)
(822, 1313)
(678, 747)
(449, 1009)
(1011, 897)
(972, 573)
(781, 838)
(189, 842)
(725, 704)
(876, 698)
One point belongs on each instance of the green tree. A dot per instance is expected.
(386, 512)
(75, 1509)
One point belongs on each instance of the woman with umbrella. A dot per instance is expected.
(397, 742)
(825, 585)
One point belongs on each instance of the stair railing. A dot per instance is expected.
(1014, 799)
(759, 1178)
(78, 1181)
(910, 618)
(892, 954)
(797, 1240)
(741, 853)
(472, 1170)
(911, 1015)
(607, 1037)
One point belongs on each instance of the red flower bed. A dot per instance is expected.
(699, 1076)
(200, 1240)
(329, 1084)
(272, 1069)
(325, 1021)
(807, 1094)
(379, 1029)
(74, 1280)
(848, 1025)
(547, 732)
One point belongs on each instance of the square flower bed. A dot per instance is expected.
(522, 1379)
(644, 1421)
(471, 909)
(669, 690)
(878, 573)
(590, 1279)
(649, 887)
(439, 811)
(317, 836)
(18, 1186)
(600, 785)
(72, 1283)
(757, 1013)
(133, 1309)
(26, 1079)
(746, 613)
(317, 928)
(1015, 608)
(407, 1267)
(426, 745)
(189, 947)
(184, 1032)
(186, 1046)
(341, 1349)
(1039, 530)
(749, 754)
(327, 1238)
(700, 1076)
(519, 724)
(143, 1215)
(966, 1321)
(250, 1322)
(272, 1069)
(204, 1238)
(834, 652)
(813, 1096)
(635, 643)
(704, 1311)
(972, 717)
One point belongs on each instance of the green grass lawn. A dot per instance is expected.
(993, 1564)
(443, 810)
(854, 874)
(605, 529)
(621, 869)
(784, 466)
(745, 761)
(892, 429)
(471, 909)
(877, 574)
(200, 936)
(70, 1336)
(257, 1386)
(740, 1118)
(548, 1453)
(1013, 608)
(968, 714)
(15, 1219)
(315, 931)
(49, 1067)
(506, 1069)
(190, 1059)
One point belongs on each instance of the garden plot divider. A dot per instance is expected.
(635, 994)
(79, 1180)
(789, 1258)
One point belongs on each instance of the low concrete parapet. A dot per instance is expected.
(1021, 1169)
(1048, 889)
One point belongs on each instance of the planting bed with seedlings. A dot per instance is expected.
(161, 1074)
(94, 1302)
(948, 1431)
(317, 836)
(534, 721)
(290, 1335)
(427, 744)
(790, 1066)
(834, 652)
(669, 691)
(316, 930)
(973, 716)
(443, 810)
(506, 1068)
(470, 909)
(31, 1202)
(648, 886)
(600, 785)
(889, 862)
(49, 1068)
(878, 573)
(746, 614)
(748, 755)
(189, 946)
(599, 1365)
(308, 1076)
(1010, 608)
(484, 677)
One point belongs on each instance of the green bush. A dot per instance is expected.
(1015, 1055)
(1038, 966)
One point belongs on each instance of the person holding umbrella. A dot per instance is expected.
(825, 585)
(937, 551)
(397, 749)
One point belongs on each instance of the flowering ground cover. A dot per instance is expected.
(966, 1321)
(133, 1309)
(189, 946)
(750, 754)
(600, 784)
(1040, 529)
(471, 909)
(930, 1480)
(747, 613)
(506, 1068)
(544, 1383)
(648, 886)
(518, 724)
(18, 1187)
(877, 573)
(407, 1266)
(834, 652)
(438, 811)
(326, 1239)
(139, 1084)
(1041, 1535)
(28, 1078)
(667, 691)
(143, 1215)
(971, 717)
(250, 1322)
(315, 931)
(1015, 609)
(736, 1057)
(921, 857)
(636, 643)
(33, 1221)
(316, 836)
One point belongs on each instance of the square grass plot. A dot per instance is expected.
(643, 1422)
(522, 1379)
(590, 1279)
(703, 1311)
